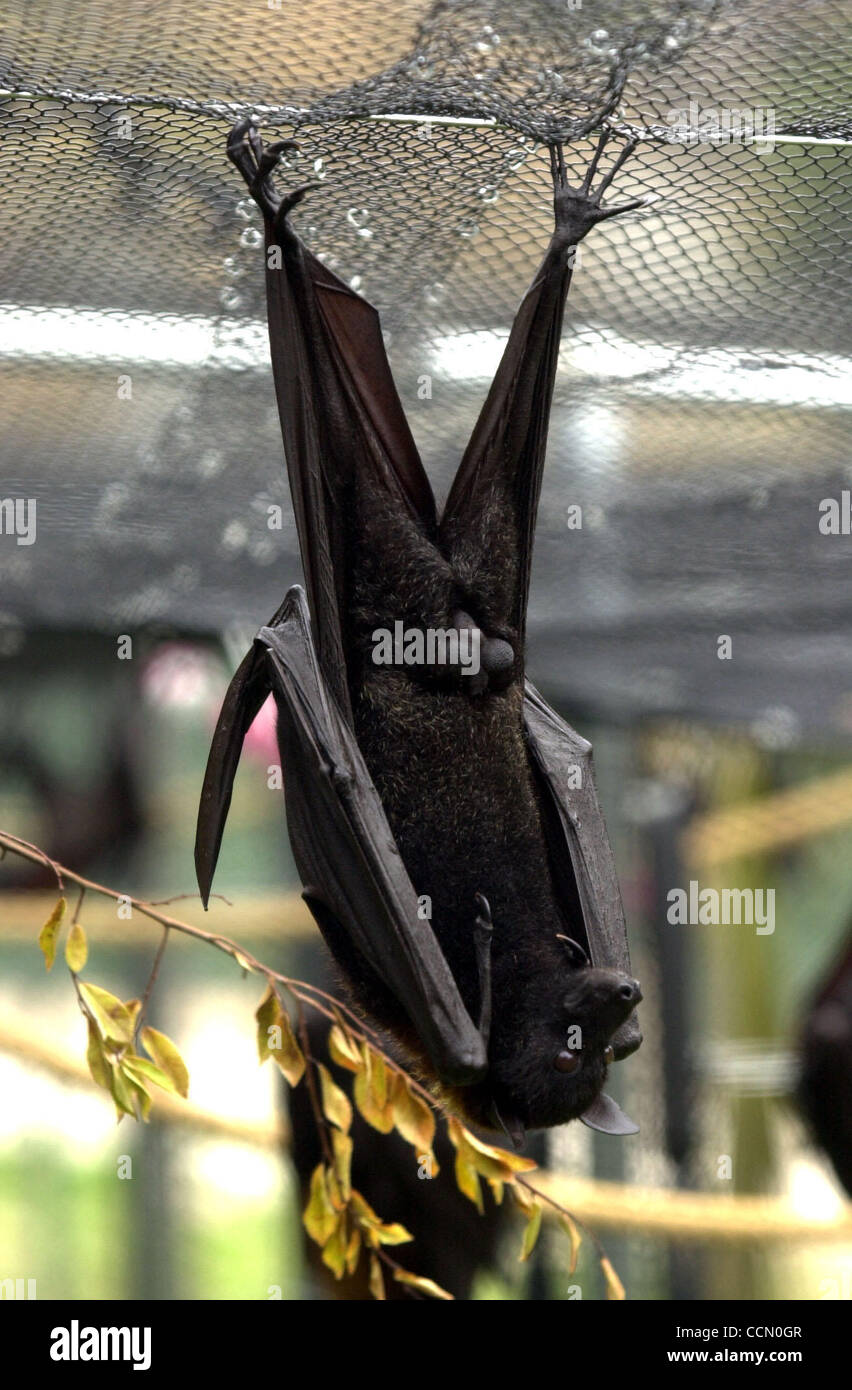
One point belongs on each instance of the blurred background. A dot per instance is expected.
(697, 490)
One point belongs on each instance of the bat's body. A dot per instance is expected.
(457, 871)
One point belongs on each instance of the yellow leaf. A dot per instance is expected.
(413, 1118)
(427, 1286)
(375, 1231)
(496, 1190)
(379, 1116)
(76, 948)
(342, 1146)
(377, 1283)
(288, 1058)
(467, 1178)
(167, 1058)
(614, 1286)
(491, 1161)
(142, 1099)
(353, 1251)
(319, 1217)
(378, 1080)
(335, 1102)
(525, 1199)
(573, 1234)
(122, 1093)
(394, 1233)
(109, 1013)
(133, 1006)
(335, 1248)
(531, 1231)
(47, 935)
(343, 1050)
(268, 1015)
(244, 964)
(97, 1059)
(140, 1070)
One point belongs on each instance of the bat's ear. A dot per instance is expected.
(603, 1114)
(576, 954)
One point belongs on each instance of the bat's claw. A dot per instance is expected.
(577, 210)
(257, 162)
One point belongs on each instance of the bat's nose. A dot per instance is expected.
(630, 991)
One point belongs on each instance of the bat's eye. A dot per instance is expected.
(567, 1061)
(609, 1055)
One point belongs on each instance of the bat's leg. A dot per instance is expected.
(257, 163)
(483, 931)
(489, 520)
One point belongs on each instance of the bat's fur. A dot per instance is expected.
(453, 772)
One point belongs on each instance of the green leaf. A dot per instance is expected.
(167, 1058)
(47, 935)
(76, 949)
(109, 1013)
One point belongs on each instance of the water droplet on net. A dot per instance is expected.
(600, 36)
(245, 209)
(434, 294)
(670, 42)
(515, 158)
(250, 238)
(488, 193)
(355, 283)
(468, 228)
(319, 168)
(229, 298)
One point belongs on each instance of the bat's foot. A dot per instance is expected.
(257, 162)
(577, 210)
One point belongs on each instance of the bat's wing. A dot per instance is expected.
(488, 523)
(563, 764)
(356, 884)
(342, 422)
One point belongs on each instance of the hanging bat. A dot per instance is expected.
(443, 819)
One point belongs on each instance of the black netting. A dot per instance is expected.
(700, 415)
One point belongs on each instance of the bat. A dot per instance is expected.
(443, 818)
(824, 1089)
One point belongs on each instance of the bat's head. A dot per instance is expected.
(549, 1061)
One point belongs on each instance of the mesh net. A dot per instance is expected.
(699, 415)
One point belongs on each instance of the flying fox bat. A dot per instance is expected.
(443, 819)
